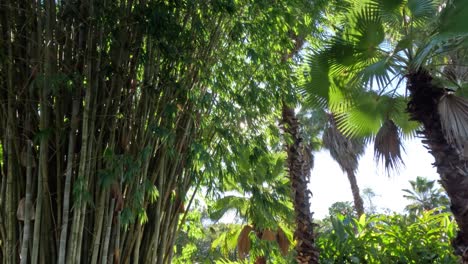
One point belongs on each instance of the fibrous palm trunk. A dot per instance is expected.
(299, 164)
(451, 167)
(358, 203)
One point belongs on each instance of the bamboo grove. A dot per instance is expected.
(114, 113)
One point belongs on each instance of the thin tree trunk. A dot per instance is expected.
(451, 167)
(299, 164)
(358, 203)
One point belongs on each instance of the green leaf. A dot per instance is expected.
(422, 10)
(453, 17)
(369, 31)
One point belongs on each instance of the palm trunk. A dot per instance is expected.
(358, 203)
(450, 166)
(299, 164)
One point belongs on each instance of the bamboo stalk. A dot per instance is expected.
(68, 176)
(165, 237)
(136, 252)
(28, 204)
(154, 240)
(74, 236)
(108, 232)
(98, 227)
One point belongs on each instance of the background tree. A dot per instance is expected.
(369, 196)
(342, 208)
(346, 152)
(424, 196)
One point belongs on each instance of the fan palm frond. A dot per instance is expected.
(453, 111)
(380, 72)
(387, 146)
(366, 32)
(315, 86)
(362, 119)
(393, 107)
(422, 11)
(388, 7)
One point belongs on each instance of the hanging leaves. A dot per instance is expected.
(243, 242)
(283, 241)
(453, 111)
(387, 146)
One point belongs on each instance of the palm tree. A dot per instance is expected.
(381, 42)
(424, 196)
(346, 151)
(299, 164)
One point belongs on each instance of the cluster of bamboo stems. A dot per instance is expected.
(100, 105)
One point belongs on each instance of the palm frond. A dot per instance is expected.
(387, 146)
(315, 86)
(422, 11)
(386, 7)
(342, 51)
(453, 17)
(436, 45)
(390, 13)
(453, 111)
(393, 107)
(362, 119)
(367, 32)
(380, 72)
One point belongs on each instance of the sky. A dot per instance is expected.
(329, 184)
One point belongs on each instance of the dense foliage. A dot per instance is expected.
(388, 239)
(343, 238)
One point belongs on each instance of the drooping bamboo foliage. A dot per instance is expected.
(112, 95)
